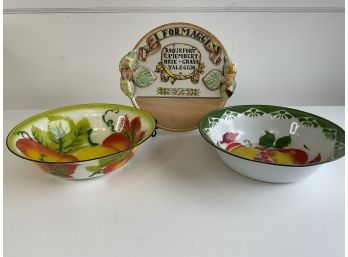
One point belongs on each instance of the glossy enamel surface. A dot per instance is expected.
(81, 141)
(272, 143)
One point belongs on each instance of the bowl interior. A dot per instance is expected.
(80, 133)
(273, 134)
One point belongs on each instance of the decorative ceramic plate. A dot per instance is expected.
(178, 72)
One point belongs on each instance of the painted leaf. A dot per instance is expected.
(78, 137)
(93, 168)
(58, 128)
(63, 135)
(267, 140)
(40, 136)
(213, 79)
(330, 133)
(229, 115)
(253, 112)
(281, 114)
(129, 61)
(308, 121)
(283, 142)
(144, 77)
(110, 159)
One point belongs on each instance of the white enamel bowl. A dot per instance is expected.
(272, 143)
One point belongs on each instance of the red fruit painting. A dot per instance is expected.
(117, 141)
(232, 146)
(316, 159)
(268, 150)
(290, 156)
(36, 151)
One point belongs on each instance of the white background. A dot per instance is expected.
(59, 53)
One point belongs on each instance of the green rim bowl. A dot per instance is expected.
(272, 143)
(82, 141)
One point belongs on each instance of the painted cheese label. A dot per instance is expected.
(178, 60)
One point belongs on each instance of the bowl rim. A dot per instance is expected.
(206, 137)
(152, 121)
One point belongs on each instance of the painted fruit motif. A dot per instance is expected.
(66, 142)
(37, 151)
(91, 152)
(118, 141)
(268, 150)
(118, 164)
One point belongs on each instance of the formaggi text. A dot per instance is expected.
(153, 42)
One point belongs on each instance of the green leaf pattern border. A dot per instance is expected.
(281, 113)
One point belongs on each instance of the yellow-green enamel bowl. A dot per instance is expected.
(82, 141)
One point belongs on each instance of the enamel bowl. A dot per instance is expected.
(82, 141)
(272, 143)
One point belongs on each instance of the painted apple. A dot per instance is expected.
(289, 156)
(117, 141)
(38, 152)
(269, 149)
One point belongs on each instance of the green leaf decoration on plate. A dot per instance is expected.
(267, 140)
(283, 142)
(213, 79)
(129, 61)
(308, 121)
(144, 77)
(253, 112)
(330, 133)
(281, 114)
(63, 134)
